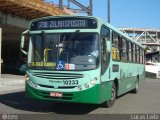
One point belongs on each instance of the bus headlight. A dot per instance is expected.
(26, 77)
(79, 87)
(86, 85)
(94, 81)
(32, 84)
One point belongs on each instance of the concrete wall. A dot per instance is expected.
(153, 70)
(11, 28)
(13, 20)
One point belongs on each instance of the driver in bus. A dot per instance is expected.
(92, 49)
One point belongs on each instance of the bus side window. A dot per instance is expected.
(116, 46)
(141, 55)
(134, 59)
(124, 50)
(136, 54)
(130, 51)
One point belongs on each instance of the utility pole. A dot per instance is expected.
(108, 11)
(0, 49)
(61, 4)
(68, 4)
(91, 8)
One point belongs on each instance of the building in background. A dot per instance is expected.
(148, 37)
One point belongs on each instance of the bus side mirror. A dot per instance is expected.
(24, 42)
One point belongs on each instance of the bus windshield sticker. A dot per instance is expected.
(90, 60)
(70, 66)
(61, 65)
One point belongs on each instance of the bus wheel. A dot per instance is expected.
(110, 103)
(135, 90)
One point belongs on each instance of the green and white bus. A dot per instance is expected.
(80, 59)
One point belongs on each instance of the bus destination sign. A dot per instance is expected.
(64, 23)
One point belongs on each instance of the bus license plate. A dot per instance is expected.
(56, 94)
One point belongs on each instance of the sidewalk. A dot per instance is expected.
(8, 79)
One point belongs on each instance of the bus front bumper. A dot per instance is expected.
(95, 95)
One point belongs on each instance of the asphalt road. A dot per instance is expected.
(147, 101)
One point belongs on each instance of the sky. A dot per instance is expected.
(126, 13)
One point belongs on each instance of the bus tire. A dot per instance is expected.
(135, 90)
(110, 103)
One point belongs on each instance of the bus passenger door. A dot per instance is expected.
(105, 54)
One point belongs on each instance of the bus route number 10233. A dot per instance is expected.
(70, 82)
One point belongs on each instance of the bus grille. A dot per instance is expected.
(60, 87)
(56, 76)
(46, 86)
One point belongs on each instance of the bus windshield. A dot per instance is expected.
(64, 51)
